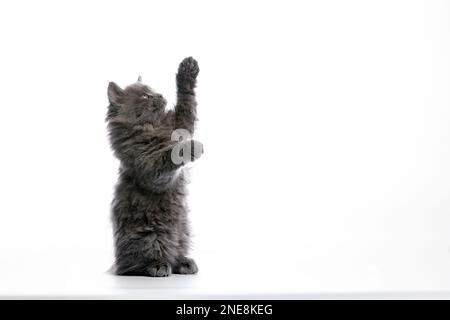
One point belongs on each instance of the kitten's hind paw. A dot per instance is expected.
(185, 266)
(159, 269)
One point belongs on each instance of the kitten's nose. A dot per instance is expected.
(158, 96)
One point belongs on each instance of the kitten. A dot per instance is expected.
(149, 214)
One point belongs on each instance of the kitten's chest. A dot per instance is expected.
(159, 210)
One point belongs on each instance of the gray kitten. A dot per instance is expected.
(149, 213)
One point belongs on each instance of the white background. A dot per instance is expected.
(326, 134)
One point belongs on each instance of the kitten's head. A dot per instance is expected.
(136, 103)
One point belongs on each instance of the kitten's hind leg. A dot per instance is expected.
(131, 270)
(185, 265)
(153, 269)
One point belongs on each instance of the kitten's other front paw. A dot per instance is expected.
(187, 74)
(185, 266)
(194, 147)
(159, 269)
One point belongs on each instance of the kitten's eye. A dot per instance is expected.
(145, 96)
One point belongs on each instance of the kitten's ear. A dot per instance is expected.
(115, 94)
(139, 79)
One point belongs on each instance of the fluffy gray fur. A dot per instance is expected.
(149, 213)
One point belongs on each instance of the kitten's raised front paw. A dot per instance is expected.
(187, 73)
(159, 269)
(185, 266)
